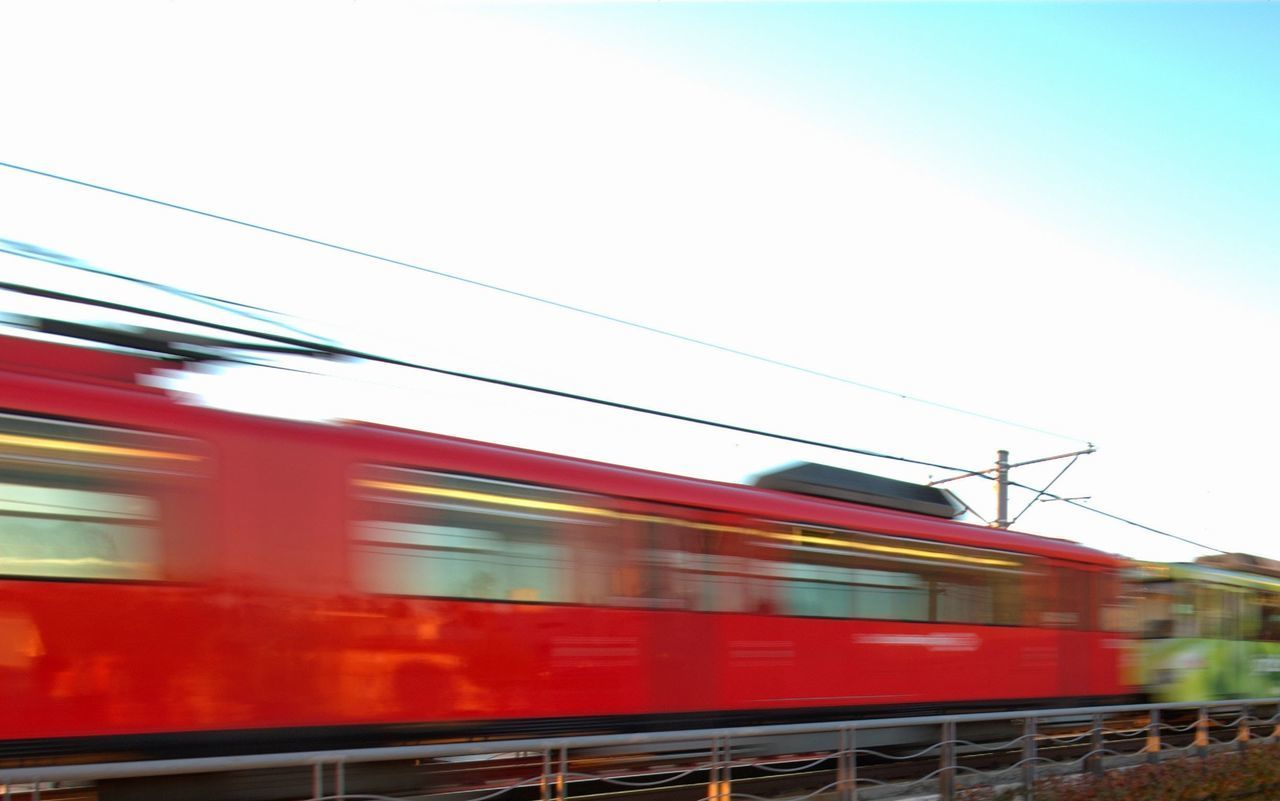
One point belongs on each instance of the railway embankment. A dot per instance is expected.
(1252, 775)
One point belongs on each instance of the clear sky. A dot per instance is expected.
(1058, 214)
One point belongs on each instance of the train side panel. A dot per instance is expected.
(238, 573)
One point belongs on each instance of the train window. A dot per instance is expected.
(1155, 608)
(1038, 596)
(819, 584)
(1185, 621)
(645, 574)
(57, 532)
(1118, 601)
(854, 575)
(685, 566)
(891, 595)
(1269, 616)
(596, 558)
(433, 534)
(85, 502)
(1070, 607)
(1212, 611)
(985, 598)
(817, 590)
(1248, 621)
(1235, 619)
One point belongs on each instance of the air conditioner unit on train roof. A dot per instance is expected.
(835, 483)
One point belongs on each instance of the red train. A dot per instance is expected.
(179, 578)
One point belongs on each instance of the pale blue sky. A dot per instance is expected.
(1158, 123)
(1059, 214)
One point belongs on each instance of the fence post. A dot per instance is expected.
(1153, 738)
(547, 782)
(947, 758)
(718, 782)
(726, 755)
(1028, 758)
(1202, 733)
(847, 765)
(1243, 732)
(339, 779)
(562, 774)
(1094, 761)
(713, 774)
(317, 780)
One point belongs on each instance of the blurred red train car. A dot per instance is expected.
(178, 579)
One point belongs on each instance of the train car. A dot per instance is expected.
(1210, 628)
(179, 580)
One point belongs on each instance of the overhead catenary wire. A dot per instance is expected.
(1041, 493)
(1117, 518)
(339, 351)
(27, 251)
(333, 350)
(533, 298)
(336, 350)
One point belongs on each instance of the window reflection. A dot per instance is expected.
(86, 502)
(439, 535)
(76, 533)
(464, 541)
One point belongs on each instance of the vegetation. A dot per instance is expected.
(1251, 776)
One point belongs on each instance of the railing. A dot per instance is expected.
(850, 760)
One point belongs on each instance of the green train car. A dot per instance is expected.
(1210, 629)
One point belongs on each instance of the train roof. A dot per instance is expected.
(1205, 574)
(570, 472)
(95, 365)
(94, 371)
(1242, 563)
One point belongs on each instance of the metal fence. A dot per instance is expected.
(848, 760)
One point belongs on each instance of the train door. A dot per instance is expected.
(1116, 649)
(1231, 680)
(667, 573)
(1074, 620)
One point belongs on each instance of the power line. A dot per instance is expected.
(971, 510)
(1041, 493)
(534, 298)
(1118, 518)
(368, 356)
(336, 350)
(27, 251)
